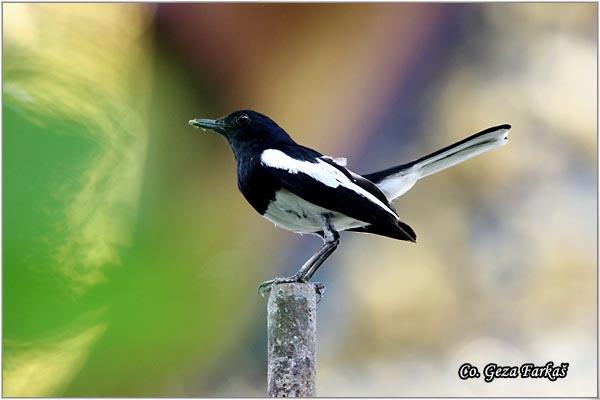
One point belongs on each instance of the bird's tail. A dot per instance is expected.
(395, 181)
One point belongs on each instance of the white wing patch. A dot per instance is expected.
(321, 171)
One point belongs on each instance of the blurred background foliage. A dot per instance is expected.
(131, 262)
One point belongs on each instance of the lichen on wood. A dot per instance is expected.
(292, 331)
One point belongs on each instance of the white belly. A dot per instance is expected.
(295, 214)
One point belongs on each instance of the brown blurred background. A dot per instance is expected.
(131, 261)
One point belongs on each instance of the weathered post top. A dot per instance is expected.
(292, 337)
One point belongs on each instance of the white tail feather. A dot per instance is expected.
(462, 152)
(400, 180)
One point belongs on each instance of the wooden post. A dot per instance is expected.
(292, 338)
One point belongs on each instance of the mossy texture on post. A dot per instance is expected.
(292, 331)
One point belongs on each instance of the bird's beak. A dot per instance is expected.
(216, 125)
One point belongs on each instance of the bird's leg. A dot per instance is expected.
(331, 239)
(298, 276)
(328, 249)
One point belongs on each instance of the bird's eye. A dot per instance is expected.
(242, 119)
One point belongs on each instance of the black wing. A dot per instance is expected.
(340, 199)
(360, 181)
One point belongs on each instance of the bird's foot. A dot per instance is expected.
(320, 289)
(266, 286)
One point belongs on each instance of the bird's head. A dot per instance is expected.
(244, 127)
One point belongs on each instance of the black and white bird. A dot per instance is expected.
(304, 191)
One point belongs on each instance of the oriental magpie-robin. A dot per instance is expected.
(304, 191)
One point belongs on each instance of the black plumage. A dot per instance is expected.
(302, 190)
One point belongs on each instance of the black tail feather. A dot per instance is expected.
(403, 231)
(377, 177)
